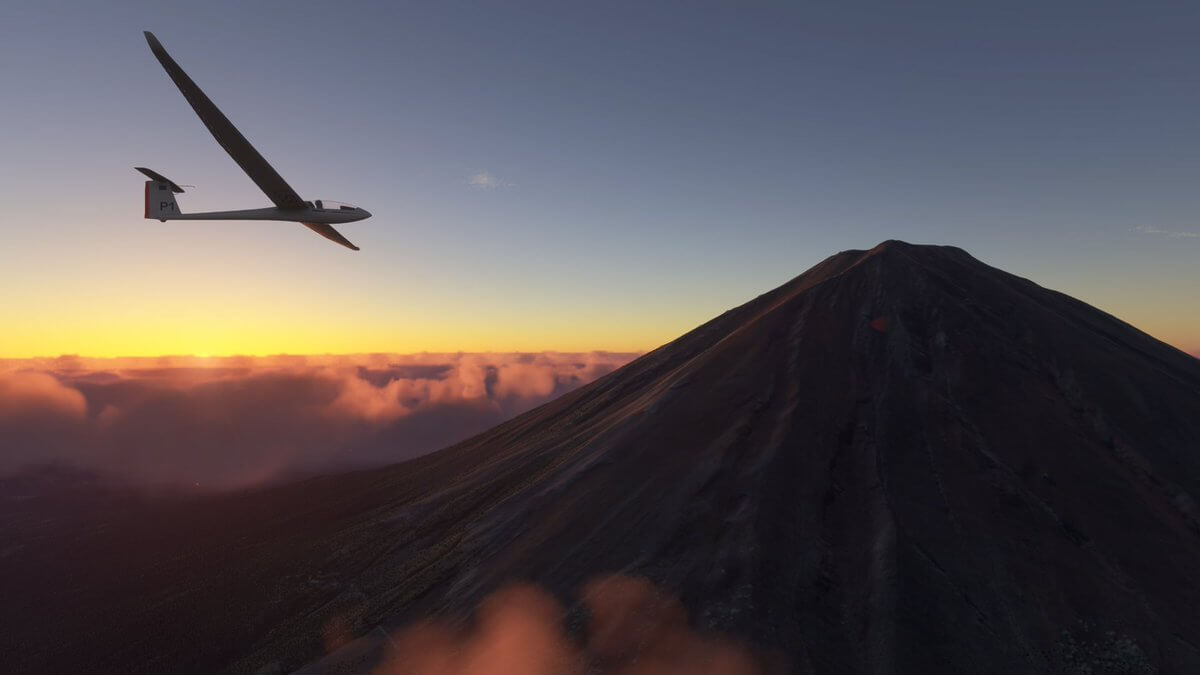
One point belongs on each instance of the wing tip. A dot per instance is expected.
(326, 230)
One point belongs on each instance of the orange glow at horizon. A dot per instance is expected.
(238, 333)
(196, 336)
(161, 307)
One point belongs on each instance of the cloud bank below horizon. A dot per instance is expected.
(239, 421)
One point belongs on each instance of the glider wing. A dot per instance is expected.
(255, 166)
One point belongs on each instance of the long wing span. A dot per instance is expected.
(263, 175)
(331, 234)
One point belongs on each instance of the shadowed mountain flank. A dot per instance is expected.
(903, 460)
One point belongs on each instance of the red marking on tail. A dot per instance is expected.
(881, 324)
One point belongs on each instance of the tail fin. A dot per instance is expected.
(160, 201)
(160, 195)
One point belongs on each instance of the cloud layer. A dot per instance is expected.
(240, 421)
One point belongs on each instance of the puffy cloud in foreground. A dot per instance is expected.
(634, 628)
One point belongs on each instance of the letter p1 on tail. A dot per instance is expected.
(160, 201)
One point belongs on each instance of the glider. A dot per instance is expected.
(318, 216)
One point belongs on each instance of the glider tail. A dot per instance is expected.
(160, 195)
(160, 201)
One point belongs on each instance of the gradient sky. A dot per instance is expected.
(577, 176)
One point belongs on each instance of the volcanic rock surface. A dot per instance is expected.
(903, 460)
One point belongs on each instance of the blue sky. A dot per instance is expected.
(567, 175)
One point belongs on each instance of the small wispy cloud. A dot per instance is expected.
(1176, 234)
(486, 180)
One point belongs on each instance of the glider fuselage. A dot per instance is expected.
(310, 215)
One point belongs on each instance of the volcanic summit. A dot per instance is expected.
(902, 460)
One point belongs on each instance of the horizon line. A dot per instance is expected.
(423, 352)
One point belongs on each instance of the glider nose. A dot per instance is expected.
(365, 213)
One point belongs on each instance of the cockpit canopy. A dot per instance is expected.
(330, 205)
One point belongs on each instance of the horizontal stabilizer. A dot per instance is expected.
(159, 178)
(331, 234)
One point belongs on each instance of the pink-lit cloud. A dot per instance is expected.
(236, 421)
(32, 394)
(634, 628)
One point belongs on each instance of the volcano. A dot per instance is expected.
(903, 460)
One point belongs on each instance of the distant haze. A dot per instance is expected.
(215, 423)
